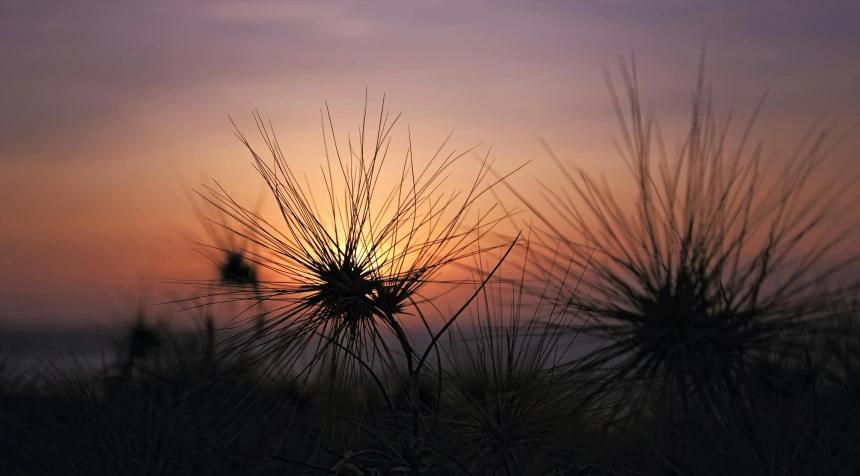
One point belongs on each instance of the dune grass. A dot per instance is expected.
(725, 342)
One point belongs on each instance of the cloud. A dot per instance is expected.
(75, 68)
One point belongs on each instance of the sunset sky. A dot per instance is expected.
(104, 105)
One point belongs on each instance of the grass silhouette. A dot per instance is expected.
(727, 343)
(509, 386)
(715, 272)
(345, 282)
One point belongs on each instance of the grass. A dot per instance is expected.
(726, 343)
(513, 404)
(714, 271)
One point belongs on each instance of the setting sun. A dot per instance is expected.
(432, 237)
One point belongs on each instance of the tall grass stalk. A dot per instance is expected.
(350, 267)
(512, 403)
(720, 263)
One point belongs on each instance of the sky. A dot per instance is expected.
(106, 107)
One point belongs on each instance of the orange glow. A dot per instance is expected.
(106, 112)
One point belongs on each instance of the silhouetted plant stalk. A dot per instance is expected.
(236, 275)
(508, 379)
(352, 268)
(716, 270)
(139, 341)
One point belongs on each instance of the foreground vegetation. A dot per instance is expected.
(705, 330)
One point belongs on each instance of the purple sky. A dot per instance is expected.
(102, 101)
